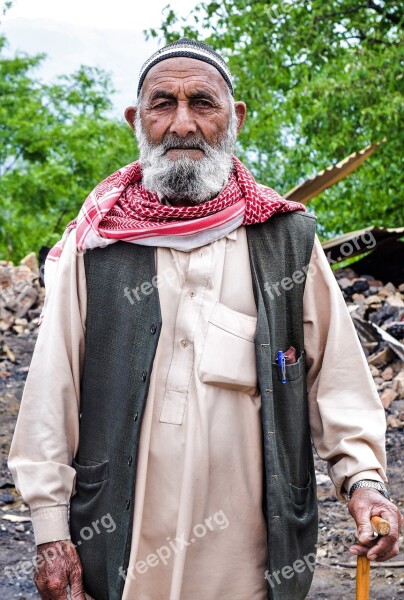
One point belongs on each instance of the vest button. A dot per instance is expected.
(144, 375)
(153, 328)
(127, 504)
(130, 460)
(135, 416)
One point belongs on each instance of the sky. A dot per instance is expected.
(108, 35)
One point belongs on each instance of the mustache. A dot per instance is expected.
(175, 141)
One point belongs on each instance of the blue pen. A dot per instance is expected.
(282, 364)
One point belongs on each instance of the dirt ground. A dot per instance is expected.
(333, 579)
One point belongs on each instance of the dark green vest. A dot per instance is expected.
(121, 342)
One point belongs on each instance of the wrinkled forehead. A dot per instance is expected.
(184, 75)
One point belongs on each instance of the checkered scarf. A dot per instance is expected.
(121, 208)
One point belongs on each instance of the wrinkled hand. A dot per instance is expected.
(364, 504)
(57, 567)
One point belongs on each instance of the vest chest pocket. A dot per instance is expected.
(89, 471)
(228, 358)
(292, 372)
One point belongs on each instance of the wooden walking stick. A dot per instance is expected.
(382, 527)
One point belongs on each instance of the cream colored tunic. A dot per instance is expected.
(198, 526)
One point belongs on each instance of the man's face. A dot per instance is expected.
(184, 97)
(186, 126)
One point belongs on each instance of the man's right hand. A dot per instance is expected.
(58, 567)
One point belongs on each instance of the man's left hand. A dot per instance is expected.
(364, 504)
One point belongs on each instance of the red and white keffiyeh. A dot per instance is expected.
(121, 208)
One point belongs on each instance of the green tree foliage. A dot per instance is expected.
(56, 143)
(321, 80)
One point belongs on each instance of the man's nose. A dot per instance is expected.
(183, 122)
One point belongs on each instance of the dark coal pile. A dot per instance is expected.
(377, 311)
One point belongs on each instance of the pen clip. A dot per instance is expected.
(282, 364)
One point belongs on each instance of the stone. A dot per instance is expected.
(359, 299)
(384, 386)
(374, 371)
(6, 498)
(398, 384)
(360, 285)
(373, 300)
(375, 283)
(388, 396)
(344, 283)
(401, 288)
(8, 353)
(5, 324)
(393, 422)
(30, 261)
(394, 300)
(18, 329)
(396, 329)
(22, 322)
(388, 374)
(378, 359)
(390, 288)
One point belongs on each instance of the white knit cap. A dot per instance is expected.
(190, 49)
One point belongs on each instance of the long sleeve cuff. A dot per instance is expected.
(349, 481)
(50, 524)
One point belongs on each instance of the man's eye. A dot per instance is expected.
(162, 104)
(204, 103)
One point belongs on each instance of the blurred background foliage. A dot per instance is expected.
(320, 79)
(57, 142)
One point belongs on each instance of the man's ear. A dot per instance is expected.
(130, 114)
(241, 112)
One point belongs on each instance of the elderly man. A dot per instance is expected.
(193, 338)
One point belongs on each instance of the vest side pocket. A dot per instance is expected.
(302, 507)
(92, 472)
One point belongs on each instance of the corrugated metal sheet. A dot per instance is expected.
(328, 177)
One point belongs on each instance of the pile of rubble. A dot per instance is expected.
(21, 301)
(377, 311)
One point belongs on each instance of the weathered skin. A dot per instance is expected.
(367, 503)
(59, 568)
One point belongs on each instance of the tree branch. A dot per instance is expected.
(393, 18)
(396, 19)
(11, 165)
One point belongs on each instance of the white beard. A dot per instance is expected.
(193, 180)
